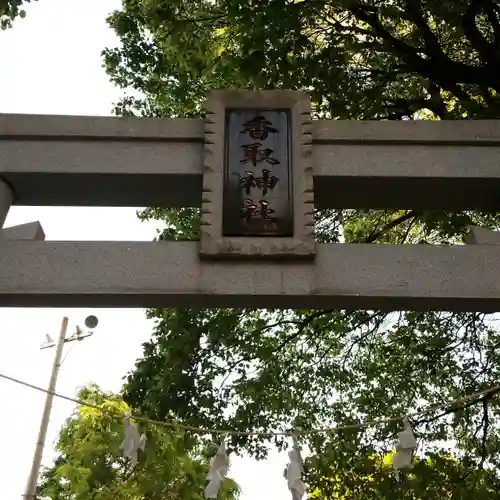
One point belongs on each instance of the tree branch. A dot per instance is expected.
(493, 13)
(454, 407)
(391, 225)
(486, 51)
(414, 13)
(407, 107)
(437, 67)
(300, 330)
(378, 318)
(486, 423)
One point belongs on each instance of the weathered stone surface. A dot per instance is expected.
(213, 243)
(107, 161)
(167, 274)
(28, 231)
(136, 162)
(6, 199)
(483, 236)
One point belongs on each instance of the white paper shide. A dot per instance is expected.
(132, 442)
(218, 469)
(294, 473)
(404, 449)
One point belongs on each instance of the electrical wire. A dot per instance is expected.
(296, 432)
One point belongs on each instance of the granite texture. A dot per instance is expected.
(28, 231)
(109, 161)
(6, 200)
(483, 236)
(213, 243)
(168, 274)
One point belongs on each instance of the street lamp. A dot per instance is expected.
(90, 323)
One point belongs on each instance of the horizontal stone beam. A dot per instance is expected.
(483, 236)
(101, 161)
(110, 161)
(170, 274)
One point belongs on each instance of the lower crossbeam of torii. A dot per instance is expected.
(257, 166)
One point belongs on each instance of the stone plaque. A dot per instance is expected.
(257, 192)
(258, 197)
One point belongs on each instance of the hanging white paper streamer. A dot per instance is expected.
(218, 469)
(294, 472)
(132, 442)
(404, 449)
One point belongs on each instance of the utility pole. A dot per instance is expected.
(31, 486)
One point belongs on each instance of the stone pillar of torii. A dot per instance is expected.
(257, 166)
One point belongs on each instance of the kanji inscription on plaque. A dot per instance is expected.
(257, 195)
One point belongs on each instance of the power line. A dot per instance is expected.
(296, 432)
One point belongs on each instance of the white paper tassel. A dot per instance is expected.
(132, 442)
(401, 460)
(407, 440)
(404, 449)
(218, 469)
(294, 473)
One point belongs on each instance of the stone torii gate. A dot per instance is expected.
(256, 166)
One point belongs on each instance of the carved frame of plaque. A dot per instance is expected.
(213, 243)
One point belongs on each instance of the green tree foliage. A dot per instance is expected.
(435, 476)
(360, 59)
(255, 369)
(9, 10)
(89, 465)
